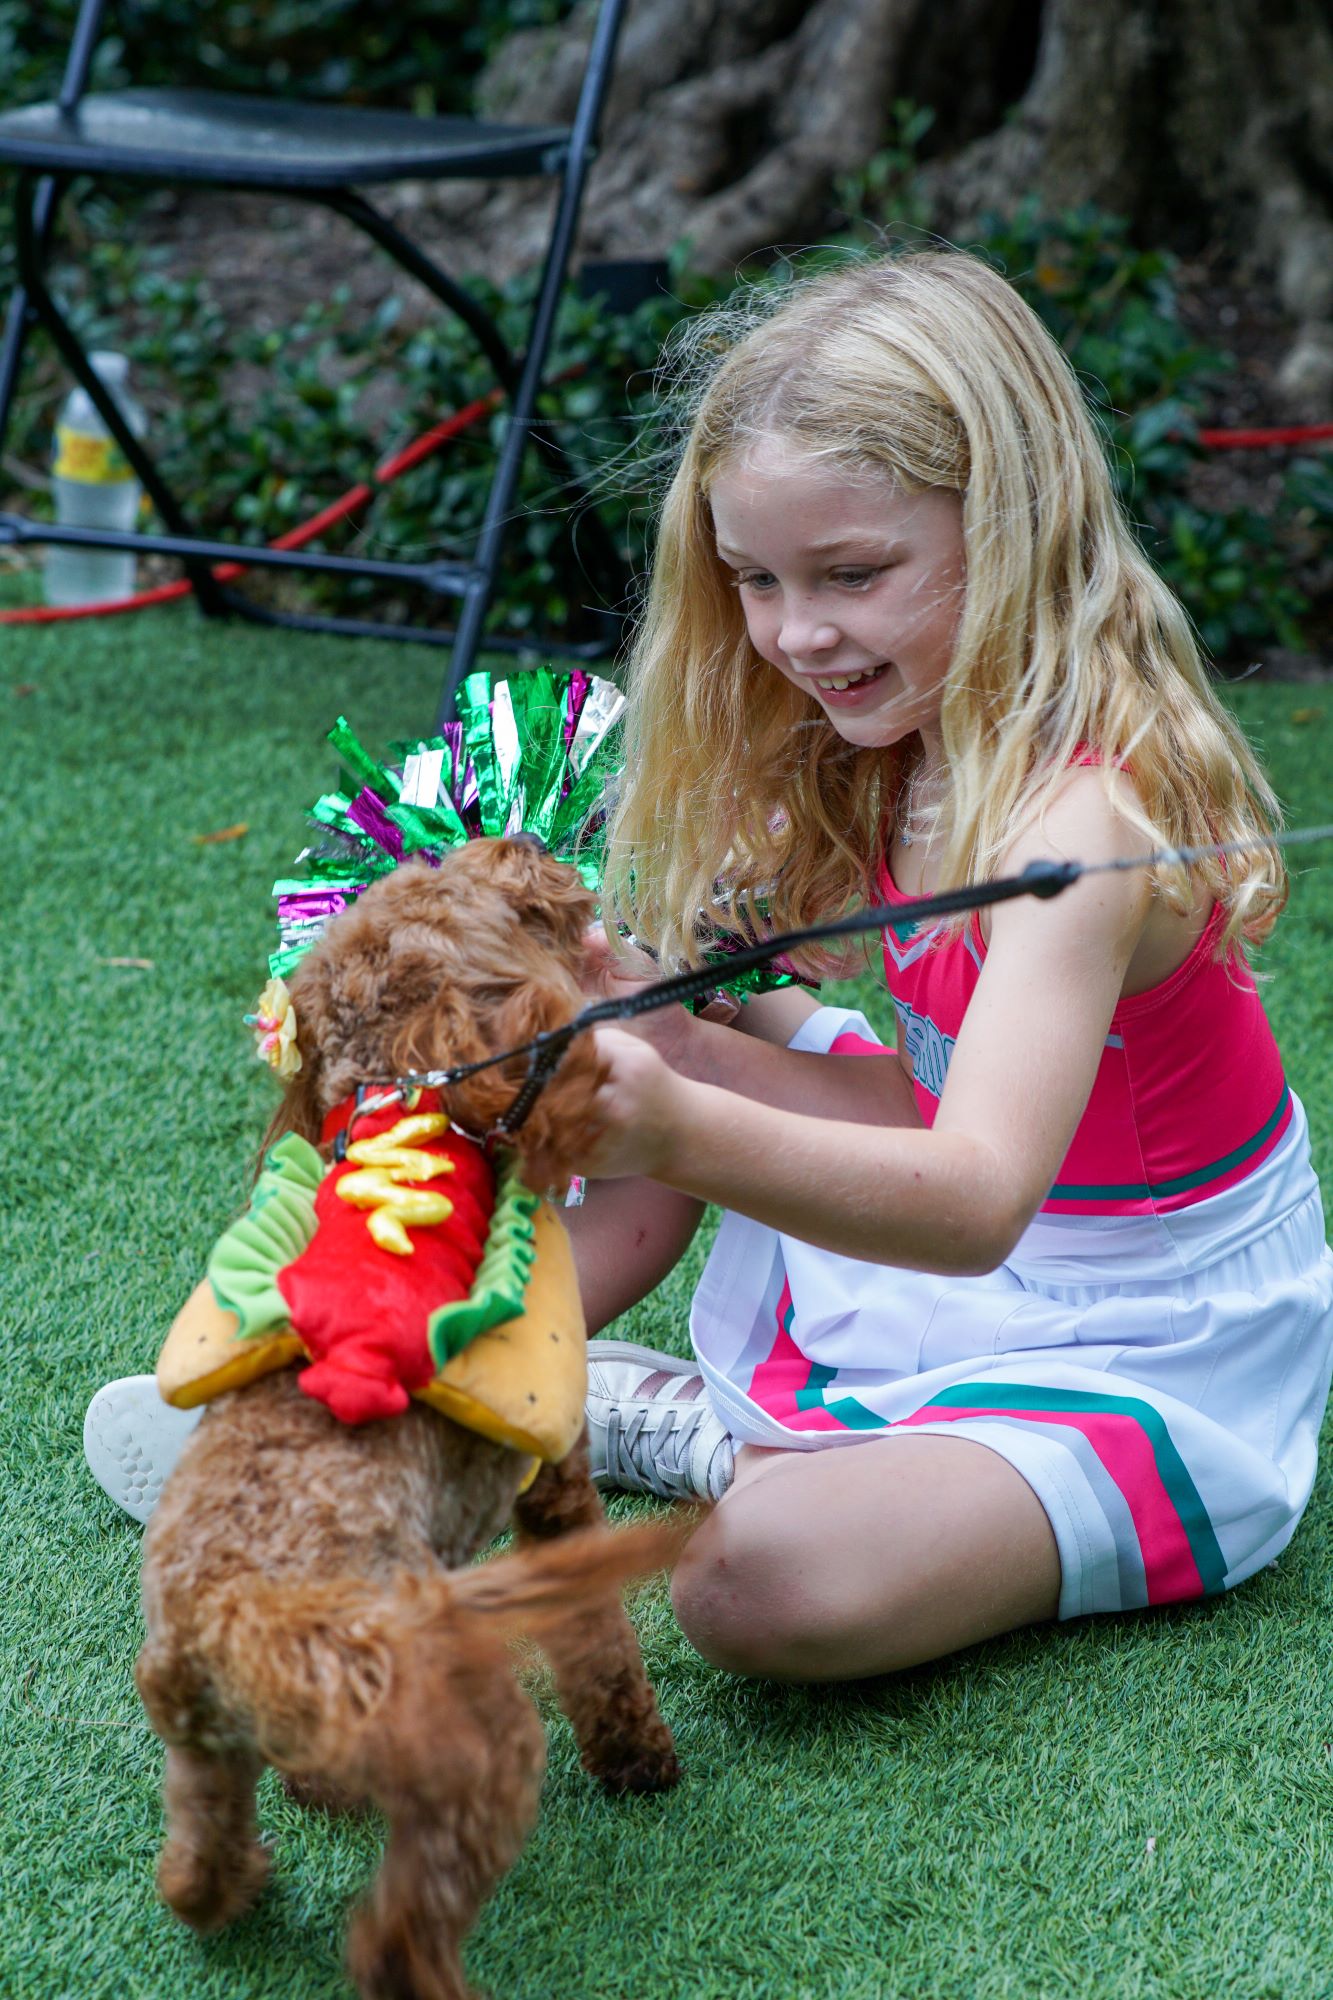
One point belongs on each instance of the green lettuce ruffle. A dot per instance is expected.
(501, 1281)
(272, 1233)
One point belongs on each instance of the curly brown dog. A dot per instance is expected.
(305, 1583)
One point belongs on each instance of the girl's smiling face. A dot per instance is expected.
(850, 587)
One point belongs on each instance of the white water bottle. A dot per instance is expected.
(94, 487)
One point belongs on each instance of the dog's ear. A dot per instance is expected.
(441, 1031)
(303, 1099)
(453, 1029)
(563, 1119)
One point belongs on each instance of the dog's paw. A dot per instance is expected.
(395, 1957)
(647, 1763)
(208, 1890)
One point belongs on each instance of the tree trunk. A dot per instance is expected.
(1197, 121)
(730, 121)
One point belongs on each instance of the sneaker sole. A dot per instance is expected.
(132, 1439)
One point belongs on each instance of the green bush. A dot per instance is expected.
(1307, 504)
(1113, 309)
(266, 458)
(1232, 576)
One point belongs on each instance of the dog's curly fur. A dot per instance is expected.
(304, 1582)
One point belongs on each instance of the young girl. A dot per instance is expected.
(1033, 1316)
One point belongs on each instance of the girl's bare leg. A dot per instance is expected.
(627, 1236)
(864, 1559)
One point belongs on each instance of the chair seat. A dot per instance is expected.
(230, 140)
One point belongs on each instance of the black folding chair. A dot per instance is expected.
(319, 153)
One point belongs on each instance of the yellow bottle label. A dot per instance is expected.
(93, 461)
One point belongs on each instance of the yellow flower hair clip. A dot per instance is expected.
(274, 1023)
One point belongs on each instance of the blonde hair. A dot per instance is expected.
(930, 369)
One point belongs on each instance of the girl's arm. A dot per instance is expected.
(958, 1197)
(856, 1089)
(749, 1055)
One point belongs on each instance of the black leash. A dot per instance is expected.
(1043, 879)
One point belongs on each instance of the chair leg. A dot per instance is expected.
(477, 593)
(504, 485)
(22, 317)
(31, 249)
(411, 258)
(504, 480)
(18, 323)
(45, 196)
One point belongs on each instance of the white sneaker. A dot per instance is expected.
(651, 1427)
(132, 1439)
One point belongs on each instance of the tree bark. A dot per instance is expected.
(730, 120)
(1200, 123)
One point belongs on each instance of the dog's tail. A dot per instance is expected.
(544, 1586)
(315, 1661)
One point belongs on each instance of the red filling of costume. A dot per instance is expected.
(362, 1312)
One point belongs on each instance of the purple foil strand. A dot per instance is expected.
(579, 684)
(369, 814)
(304, 908)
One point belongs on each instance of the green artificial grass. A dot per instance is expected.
(1118, 1807)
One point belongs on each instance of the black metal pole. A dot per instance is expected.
(21, 317)
(81, 368)
(580, 148)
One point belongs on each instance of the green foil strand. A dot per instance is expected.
(474, 709)
(360, 764)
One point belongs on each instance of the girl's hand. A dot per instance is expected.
(638, 1109)
(612, 975)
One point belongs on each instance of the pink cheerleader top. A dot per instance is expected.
(1190, 1096)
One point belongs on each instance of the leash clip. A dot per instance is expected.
(400, 1092)
(543, 1060)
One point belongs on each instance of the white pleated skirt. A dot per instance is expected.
(1158, 1381)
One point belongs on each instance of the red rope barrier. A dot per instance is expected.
(403, 461)
(1257, 440)
(430, 441)
(295, 538)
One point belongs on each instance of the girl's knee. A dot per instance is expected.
(735, 1603)
(713, 1604)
